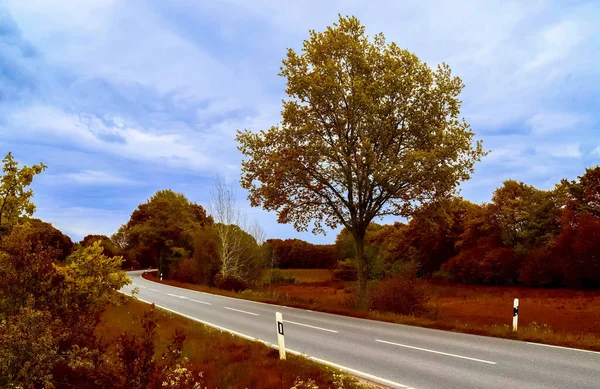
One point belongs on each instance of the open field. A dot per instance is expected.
(226, 361)
(573, 311)
(554, 316)
(302, 276)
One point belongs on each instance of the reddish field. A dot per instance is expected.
(560, 309)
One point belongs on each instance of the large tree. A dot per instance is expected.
(15, 197)
(368, 130)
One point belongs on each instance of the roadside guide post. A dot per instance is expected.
(515, 314)
(280, 338)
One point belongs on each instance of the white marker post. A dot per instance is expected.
(161, 276)
(280, 339)
(515, 314)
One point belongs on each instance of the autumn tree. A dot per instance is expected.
(48, 313)
(109, 248)
(15, 198)
(45, 235)
(368, 130)
(527, 216)
(162, 229)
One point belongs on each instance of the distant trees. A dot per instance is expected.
(188, 244)
(298, 254)
(368, 130)
(523, 236)
(109, 247)
(15, 198)
(44, 235)
(161, 231)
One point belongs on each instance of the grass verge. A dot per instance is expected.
(332, 298)
(225, 360)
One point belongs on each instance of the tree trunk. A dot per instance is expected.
(362, 267)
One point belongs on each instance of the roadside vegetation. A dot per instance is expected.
(220, 359)
(368, 130)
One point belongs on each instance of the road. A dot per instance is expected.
(397, 355)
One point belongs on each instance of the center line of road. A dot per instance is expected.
(174, 295)
(140, 286)
(306, 325)
(437, 352)
(201, 302)
(239, 310)
(154, 290)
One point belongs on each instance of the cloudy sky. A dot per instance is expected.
(123, 98)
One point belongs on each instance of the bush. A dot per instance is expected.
(345, 270)
(409, 268)
(277, 278)
(230, 283)
(442, 275)
(186, 270)
(401, 295)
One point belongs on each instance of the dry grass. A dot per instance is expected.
(560, 317)
(303, 276)
(226, 361)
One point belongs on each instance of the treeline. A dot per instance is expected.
(179, 238)
(298, 254)
(523, 236)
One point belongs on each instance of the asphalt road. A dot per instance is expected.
(397, 355)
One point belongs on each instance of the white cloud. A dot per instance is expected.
(550, 122)
(80, 221)
(561, 150)
(93, 177)
(90, 132)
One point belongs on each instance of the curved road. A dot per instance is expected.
(396, 355)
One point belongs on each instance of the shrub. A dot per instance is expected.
(442, 275)
(230, 283)
(408, 268)
(186, 270)
(277, 278)
(402, 295)
(345, 271)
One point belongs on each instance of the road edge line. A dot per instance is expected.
(564, 348)
(247, 337)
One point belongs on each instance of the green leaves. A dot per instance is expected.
(161, 230)
(15, 198)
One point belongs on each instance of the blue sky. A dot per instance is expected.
(123, 98)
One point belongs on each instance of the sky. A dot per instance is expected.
(123, 98)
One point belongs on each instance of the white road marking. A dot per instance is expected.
(201, 302)
(140, 286)
(239, 310)
(306, 325)
(323, 361)
(174, 295)
(437, 352)
(154, 290)
(565, 348)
